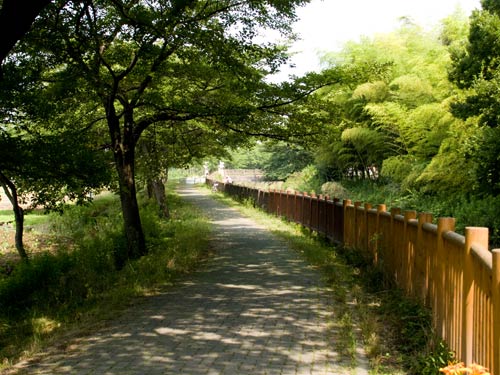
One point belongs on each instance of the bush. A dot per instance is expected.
(478, 212)
(307, 180)
(335, 190)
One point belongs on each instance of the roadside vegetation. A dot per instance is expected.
(419, 130)
(73, 281)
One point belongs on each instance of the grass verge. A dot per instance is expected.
(76, 287)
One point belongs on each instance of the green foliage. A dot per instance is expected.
(433, 359)
(285, 159)
(456, 167)
(396, 119)
(411, 90)
(396, 168)
(372, 92)
(278, 159)
(52, 168)
(475, 67)
(454, 30)
(306, 180)
(335, 190)
(477, 211)
(254, 157)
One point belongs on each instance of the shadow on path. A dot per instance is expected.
(256, 309)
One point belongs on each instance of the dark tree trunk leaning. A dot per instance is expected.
(11, 192)
(16, 17)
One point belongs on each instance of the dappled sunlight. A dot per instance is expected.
(256, 308)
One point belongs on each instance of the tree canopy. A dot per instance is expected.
(127, 65)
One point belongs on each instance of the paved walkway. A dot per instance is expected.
(256, 309)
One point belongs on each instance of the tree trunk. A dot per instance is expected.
(136, 244)
(24, 12)
(155, 183)
(124, 154)
(11, 192)
(150, 189)
(161, 198)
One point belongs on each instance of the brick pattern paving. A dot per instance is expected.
(255, 309)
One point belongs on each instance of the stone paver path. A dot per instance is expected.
(255, 309)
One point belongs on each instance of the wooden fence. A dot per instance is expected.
(456, 276)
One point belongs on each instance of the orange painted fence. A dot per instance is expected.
(456, 276)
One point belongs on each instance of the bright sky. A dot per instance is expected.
(325, 25)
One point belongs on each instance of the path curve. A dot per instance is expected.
(255, 309)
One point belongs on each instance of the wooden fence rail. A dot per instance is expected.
(456, 276)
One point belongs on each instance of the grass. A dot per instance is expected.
(395, 331)
(75, 286)
(6, 216)
(32, 217)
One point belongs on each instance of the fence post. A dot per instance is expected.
(311, 197)
(404, 255)
(295, 207)
(496, 312)
(335, 219)
(278, 203)
(472, 236)
(303, 218)
(392, 250)
(376, 241)
(356, 225)
(347, 240)
(445, 224)
(423, 253)
(366, 245)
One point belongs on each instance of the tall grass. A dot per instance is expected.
(80, 282)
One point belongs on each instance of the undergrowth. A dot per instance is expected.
(79, 283)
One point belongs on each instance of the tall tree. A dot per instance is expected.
(395, 119)
(146, 63)
(476, 69)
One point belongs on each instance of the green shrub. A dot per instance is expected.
(335, 190)
(478, 212)
(307, 180)
(40, 282)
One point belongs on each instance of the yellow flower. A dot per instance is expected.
(459, 368)
(478, 369)
(454, 369)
